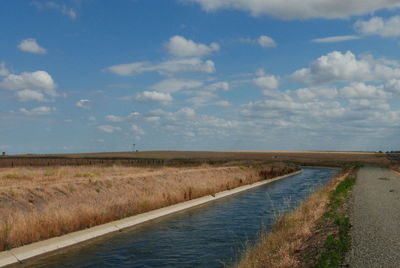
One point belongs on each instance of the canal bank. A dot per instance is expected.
(23, 253)
(207, 236)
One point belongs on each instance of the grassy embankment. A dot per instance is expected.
(40, 203)
(316, 234)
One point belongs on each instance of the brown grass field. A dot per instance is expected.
(37, 203)
(193, 158)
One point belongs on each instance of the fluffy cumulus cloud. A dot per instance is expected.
(35, 80)
(393, 86)
(363, 91)
(174, 85)
(166, 67)
(316, 93)
(108, 128)
(306, 108)
(379, 26)
(335, 39)
(187, 123)
(207, 95)
(30, 95)
(346, 67)
(30, 45)
(84, 104)
(35, 86)
(42, 110)
(336, 106)
(179, 46)
(300, 9)
(154, 97)
(267, 81)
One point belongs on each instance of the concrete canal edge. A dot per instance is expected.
(20, 254)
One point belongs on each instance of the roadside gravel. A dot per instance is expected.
(376, 219)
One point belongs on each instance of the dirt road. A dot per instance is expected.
(376, 219)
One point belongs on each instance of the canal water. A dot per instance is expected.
(214, 235)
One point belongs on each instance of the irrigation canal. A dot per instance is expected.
(213, 235)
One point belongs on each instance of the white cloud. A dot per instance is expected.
(186, 111)
(154, 97)
(30, 95)
(207, 94)
(334, 39)
(266, 41)
(108, 128)
(33, 86)
(3, 70)
(187, 121)
(165, 67)
(137, 130)
(42, 110)
(379, 26)
(223, 86)
(266, 81)
(63, 9)
(393, 86)
(179, 46)
(203, 98)
(152, 118)
(30, 45)
(39, 80)
(92, 118)
(83, 104)
(345, 67)
(360, 105)
(114, 119)
(174, 85)
(316, 93)
(361, 90)
(300, 9)
(262, 40)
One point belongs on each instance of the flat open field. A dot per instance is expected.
(180, 158)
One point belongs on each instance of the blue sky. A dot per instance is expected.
(88, 76)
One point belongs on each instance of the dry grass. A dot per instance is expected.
(40, 203)
(277, 249)
(177, 158)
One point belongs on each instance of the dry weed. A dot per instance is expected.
(40, 203)
(277, 248)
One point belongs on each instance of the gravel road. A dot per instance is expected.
(376, 219)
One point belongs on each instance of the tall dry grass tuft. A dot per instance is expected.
(38, 203)
(277, 248)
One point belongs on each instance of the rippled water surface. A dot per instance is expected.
(208, 236)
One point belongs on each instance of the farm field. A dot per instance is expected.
(193, 158)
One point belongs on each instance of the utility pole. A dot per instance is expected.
(134, 147)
